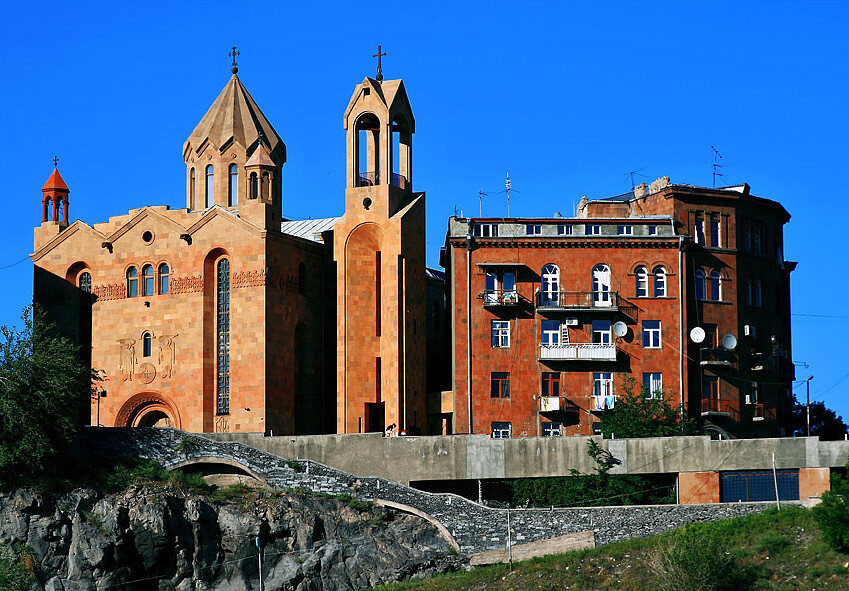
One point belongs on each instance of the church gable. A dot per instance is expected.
(219, 219)
(77, 235)
(152, 221)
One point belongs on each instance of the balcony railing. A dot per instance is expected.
(498, 297)
(368, 179)
(567, 301)
(400, 181)
(761, 412)
(718, 408)
(577, 352)
(716, 356)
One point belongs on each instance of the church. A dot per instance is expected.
(223, 316)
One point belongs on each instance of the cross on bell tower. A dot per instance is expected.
(379, 55)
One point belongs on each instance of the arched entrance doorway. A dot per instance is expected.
(148, 409)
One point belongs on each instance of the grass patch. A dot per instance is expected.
(235, 493)
(295, 465)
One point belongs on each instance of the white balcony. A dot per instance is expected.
(577, 352)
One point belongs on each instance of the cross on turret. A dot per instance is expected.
(233, 53)
(379, 55)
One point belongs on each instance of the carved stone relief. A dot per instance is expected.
(127, 358)
(222, 425)
(167, 356)
(147, 372)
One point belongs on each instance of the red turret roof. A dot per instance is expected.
(55, 183)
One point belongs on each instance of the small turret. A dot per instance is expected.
(55, 191)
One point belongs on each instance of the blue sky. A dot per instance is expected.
(567, 97)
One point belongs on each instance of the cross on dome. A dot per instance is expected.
(233, 53)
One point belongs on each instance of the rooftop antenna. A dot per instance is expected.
(481, 195)
(716, 165)
(635, 173)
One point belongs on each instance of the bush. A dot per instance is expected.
(16, 572)
(832, 514)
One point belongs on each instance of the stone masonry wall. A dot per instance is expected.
(475, 528)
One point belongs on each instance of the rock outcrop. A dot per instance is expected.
(163, 539)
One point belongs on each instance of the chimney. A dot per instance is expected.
(640, 191)
(658, 184)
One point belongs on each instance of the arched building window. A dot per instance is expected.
(132, 282)
(222, 324)
(700, 284)
(659, 274)
(550, 288)
(714, 286)
(641, 280)
(164, 273)
(147, 344)
(147, 280)
(265, 187)
(601, 286)
(85, 282)
(254, 187)
(233, 187)
(192, 203)
(210, 186)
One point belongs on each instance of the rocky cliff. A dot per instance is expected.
(164, 539)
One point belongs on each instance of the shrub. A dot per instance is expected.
(16, 573)
(189, 445)
(832, 514)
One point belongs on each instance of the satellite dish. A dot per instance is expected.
(620, 329)
(729, 341)
(697, 335)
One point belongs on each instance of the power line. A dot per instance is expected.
(16, 263)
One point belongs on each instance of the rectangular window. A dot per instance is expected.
(564, 229)
(485, 230)
(653, 383)
(533, 229)
(625, 230)
(602, 383)
(501, 429)
(500, 287)
(651, 334)
(592, 229)
(714, 230)
(550, 332)
(756, 239)
(551, 429)
(500, 333)
(550, 383)
(710, 388)
(652, 230)
(500, 384)
(602, 333)
(699, 229)
(747, 237)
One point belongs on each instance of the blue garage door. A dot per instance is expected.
(758, 485)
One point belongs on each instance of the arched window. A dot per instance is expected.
(641, 279)
(601, 286)
(147, 344)
(714, 286)
(757, 293)
(302, 278)
(254, 186)
(164, 273)
(550, 292)
(700, 284)
(132, 282)
(265, 187)
(192, 188)
(222, 324)
(659, 274)
(147, 280)
(85, 282)
(748, 291)
(233, 188)
(210, 186)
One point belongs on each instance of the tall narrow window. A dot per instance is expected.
(265, 187)
(210, 186)
(233, 186)
(659, 274)
(757, 293)
(641, 279)
(714, 230)
(192, 188)
(147, 280)
(748, 291)
(222, 323)
(132, 282)
(550, 292)
(85, 282)
(700, 284)
(147, 344)
(714, 286)
(699, 229)
(164, 272)
(254, 186)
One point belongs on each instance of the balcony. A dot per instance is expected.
(400, 181)
(716, 356)
(577, 352)
(583, 301)
(712, 407)
(492, 298)
(761, 412)
(368, 179)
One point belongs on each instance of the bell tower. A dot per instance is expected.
(379, 248)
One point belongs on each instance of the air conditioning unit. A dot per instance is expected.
(749, 330)
(571, 322)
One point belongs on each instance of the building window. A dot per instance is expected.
(550, 279)
(533, 229)
(147, 280)
(653, 384)
(192, 188)
(602, 383)
(501, 429)
(714, 230)
(499, 384)
(550, 332)
(147, 344)
(85, 282)
(700, 284)
(592, 229)
(625, 230)
(564, 229)
(210, 186)
(253, 189)
(500, 333)
(659, 274)
(699, 229)
(747, 237)
(550, 429)
(714, 286)
(601, 286)
(233, 187)
(641, 279)
(652, 230)
(651, 334)
(550, 383)
(602, 333)
(756, 239)
(164, 273)
(748, 293)
(132, 282)
(710, 391)
(222, 323)
(485, 230)
(757, 293)
(500, 287)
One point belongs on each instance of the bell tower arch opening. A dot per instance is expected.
(402, 153)
(367, 151)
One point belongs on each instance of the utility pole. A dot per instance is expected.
(808, 406)
(481, 195)
(259, 560)
(775, 483)
(508, 184)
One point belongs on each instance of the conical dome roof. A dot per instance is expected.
(55, 182)
(235, 116)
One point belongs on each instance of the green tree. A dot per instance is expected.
(832, 513)
(42, 386)
(825, 423)
(636, 414)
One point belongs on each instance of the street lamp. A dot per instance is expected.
(808, 405)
